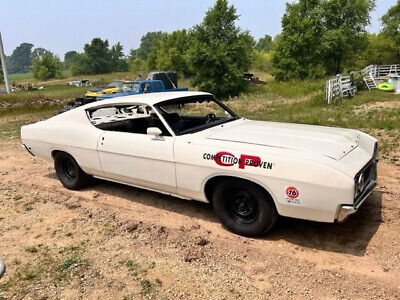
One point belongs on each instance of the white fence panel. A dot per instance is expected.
(339, 87)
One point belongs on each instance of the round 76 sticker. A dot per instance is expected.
(292, 195)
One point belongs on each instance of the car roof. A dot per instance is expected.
(150, 98)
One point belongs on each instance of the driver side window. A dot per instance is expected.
(128, 118)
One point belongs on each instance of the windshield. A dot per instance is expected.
(187, 115)
(115, 84)
(130, 87)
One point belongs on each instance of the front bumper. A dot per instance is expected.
(93, 94)
(346, 210)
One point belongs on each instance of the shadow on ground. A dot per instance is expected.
(351, 237)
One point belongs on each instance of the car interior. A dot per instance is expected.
(133, 119)
(189, 115)
(193, 114)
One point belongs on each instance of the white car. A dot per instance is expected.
(189, 145)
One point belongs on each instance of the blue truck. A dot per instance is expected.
(140, 87)
(158, 82)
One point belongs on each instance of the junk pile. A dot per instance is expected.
(382, 77)
(251, 79)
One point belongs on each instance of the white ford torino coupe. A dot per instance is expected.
(189, 145)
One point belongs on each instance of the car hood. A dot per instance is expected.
(327, 141)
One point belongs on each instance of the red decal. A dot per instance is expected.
(219, 156)
(249, 160)
(292, 192)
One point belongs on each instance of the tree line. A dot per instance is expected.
(319, 38)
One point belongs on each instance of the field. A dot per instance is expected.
(115, 242)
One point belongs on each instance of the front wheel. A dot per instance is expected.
(244, 207)
(69, 172)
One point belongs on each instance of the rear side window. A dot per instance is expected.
(126, 118)
(158, 86)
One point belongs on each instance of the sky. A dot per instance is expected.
(60, 26)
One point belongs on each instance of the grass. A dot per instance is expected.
(293, 102)
(31, 249)
(69, 262)
(18, 77)
(146, 285)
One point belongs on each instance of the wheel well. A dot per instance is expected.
(213, 182)
(54, 152)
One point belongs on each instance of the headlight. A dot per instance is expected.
(359, 184)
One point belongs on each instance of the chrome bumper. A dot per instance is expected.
(346, 210)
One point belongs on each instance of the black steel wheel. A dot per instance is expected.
(69, 172)
(244, 207)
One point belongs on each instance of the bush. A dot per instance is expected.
(46, 66)
(262, 61)
(138, 65)
(358, 81)
(78, 65)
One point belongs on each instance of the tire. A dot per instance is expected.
(69, 172)
(244, 207)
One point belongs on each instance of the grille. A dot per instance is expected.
(369, 173)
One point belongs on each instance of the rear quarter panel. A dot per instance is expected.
(79, 139)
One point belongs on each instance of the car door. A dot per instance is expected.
(138, 159)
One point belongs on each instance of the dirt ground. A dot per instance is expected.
(111, 241)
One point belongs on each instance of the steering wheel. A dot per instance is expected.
(210, 117)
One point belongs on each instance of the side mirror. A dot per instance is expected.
(156, 132)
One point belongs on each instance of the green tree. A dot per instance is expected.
(264, 44)
(345, 35)
(262, 61)
(381, 50)
(37, 52)
(137, 65)
(391, 27)
(298, 52)
(146, 44)
(170, 53)
(118, 61)
(321, 37)
(46, 66)
(20, 59)
(97, 57)
(78, 65)
(220, 52)
(68, 56)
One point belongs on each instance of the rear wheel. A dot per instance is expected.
(244, 207)
(69, 172)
